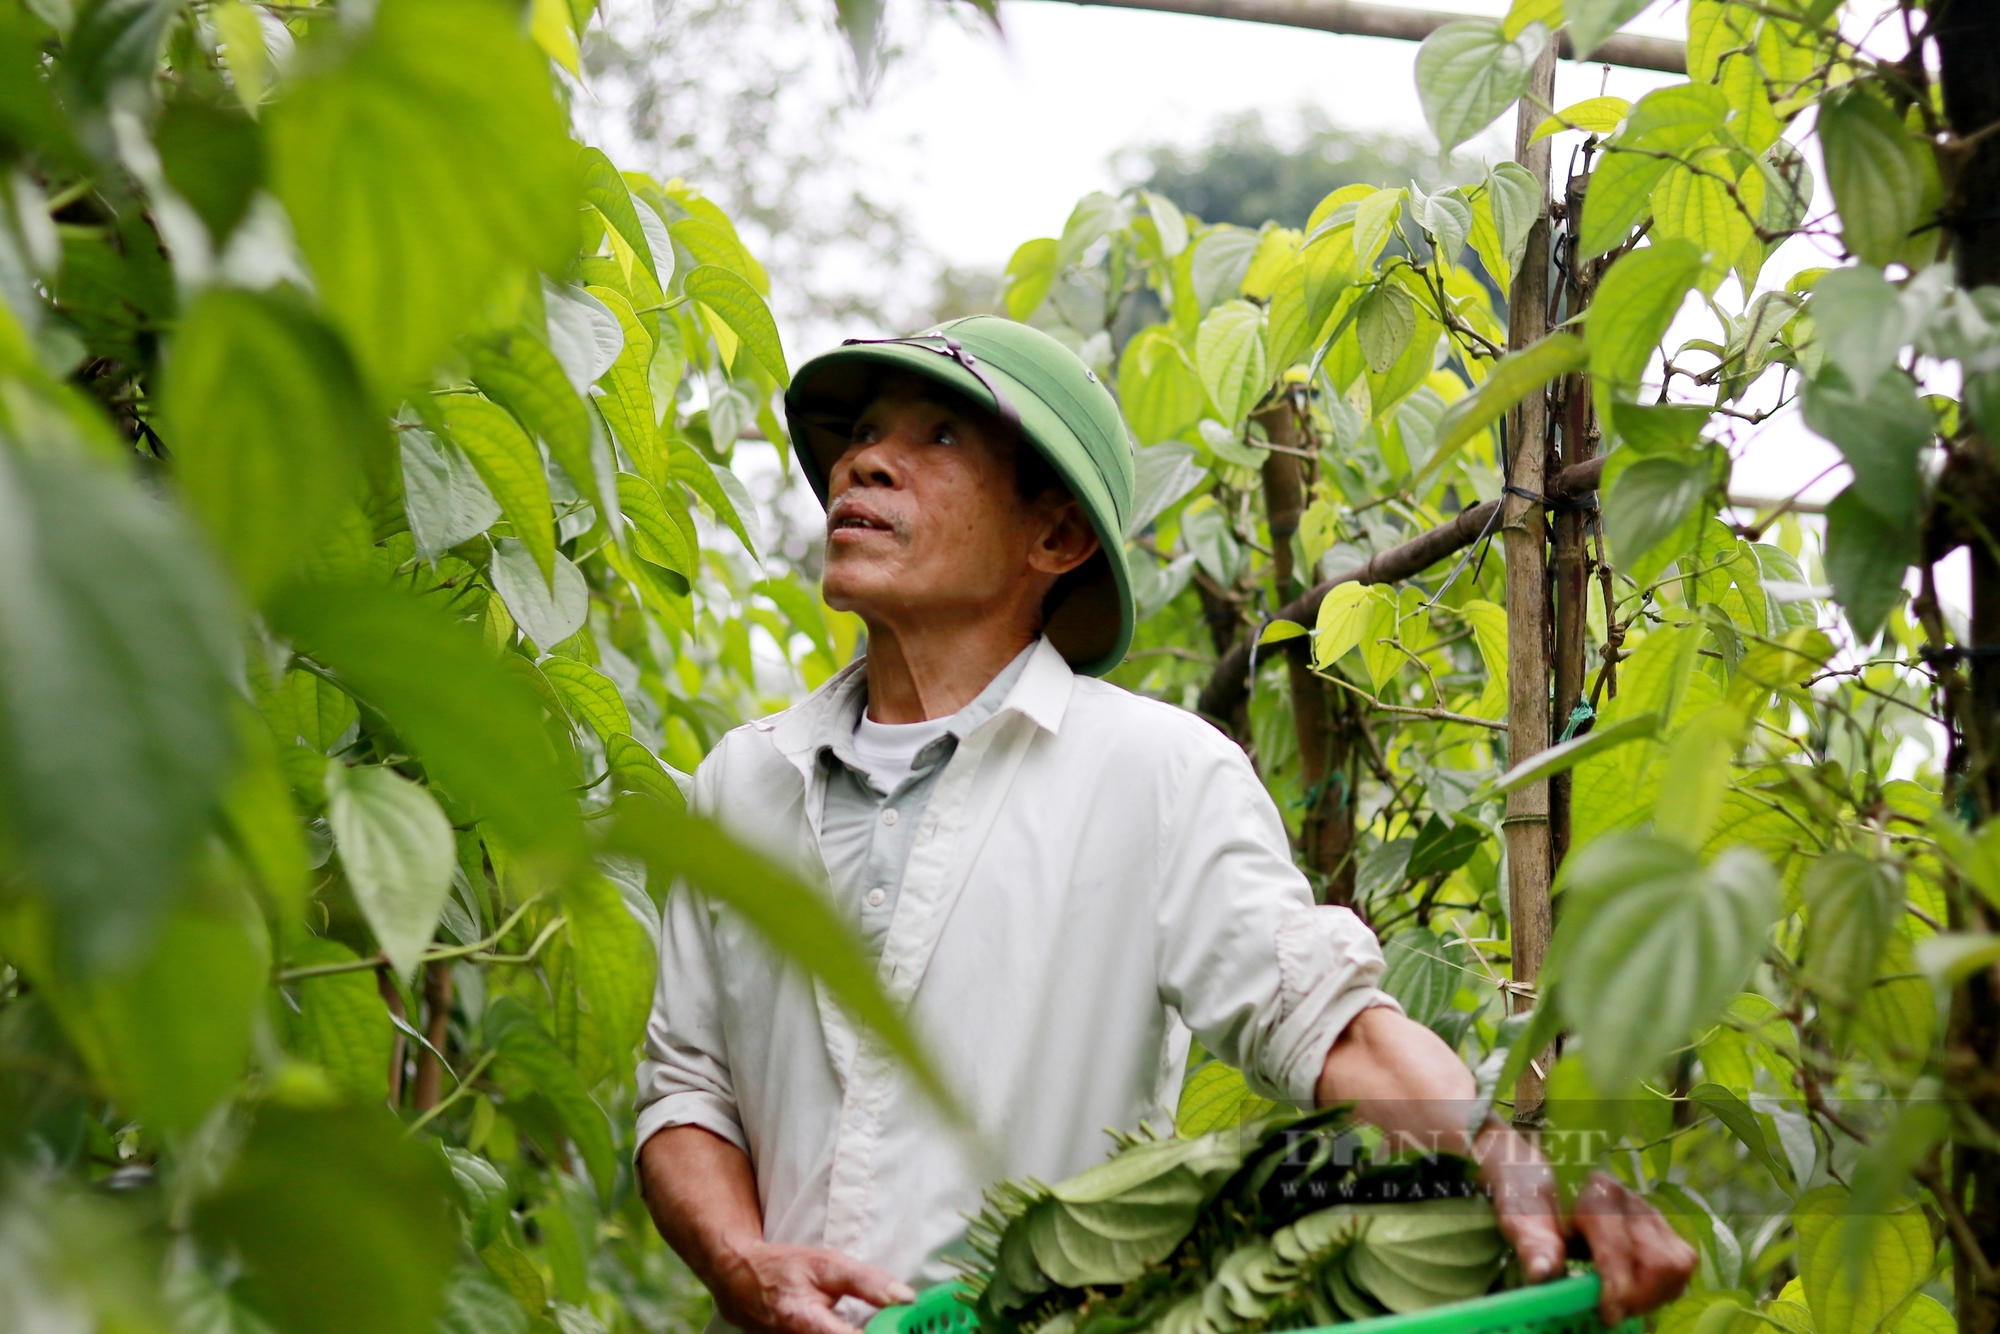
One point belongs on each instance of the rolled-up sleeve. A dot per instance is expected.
(684, 1078)
(1263, 976)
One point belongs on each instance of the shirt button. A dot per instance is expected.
(889, 815)
(877, 897)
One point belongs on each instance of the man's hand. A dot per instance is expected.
(1642, 1261)
(770, 1289)
(703, 1197)
(1526, 1203)
(1401, 1076)
(1639, 1257)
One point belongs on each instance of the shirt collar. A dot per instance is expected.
(825, 719)
(1041, 693)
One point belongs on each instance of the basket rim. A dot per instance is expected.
(1516, 1306)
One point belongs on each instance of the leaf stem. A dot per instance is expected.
(1755, 529)
(464, 1086)
(473, 951)
(1435, 715)
(555, 924)
(68, 195)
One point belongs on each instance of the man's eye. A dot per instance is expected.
(947, 435)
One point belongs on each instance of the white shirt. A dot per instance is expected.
(1095, 874)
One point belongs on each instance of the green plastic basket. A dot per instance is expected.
(936, 1311)
(1566, 1306)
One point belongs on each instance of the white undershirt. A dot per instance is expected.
(889, 750)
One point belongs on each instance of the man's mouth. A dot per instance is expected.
(855, 519)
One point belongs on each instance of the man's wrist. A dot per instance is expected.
(732, 1261)
(1487, 1128)
(1497, 1144)
(1492, 1149)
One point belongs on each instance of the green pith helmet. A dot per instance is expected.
(1024, 376)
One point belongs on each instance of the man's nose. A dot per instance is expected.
(876, 463)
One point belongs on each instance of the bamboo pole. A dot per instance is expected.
(1355, 19)
(1526, 823)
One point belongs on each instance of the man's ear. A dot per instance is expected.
(1066, 540)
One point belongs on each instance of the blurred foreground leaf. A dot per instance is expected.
(69, 1261)
(115, 735)
(166, 1034)
(268, 427)
(341, 1223)
(419, 165)
(797, 922)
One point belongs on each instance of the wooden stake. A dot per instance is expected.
(1572, 567)
(437, 1031)
(1522, 530)
(393, 998)
(1324, 726)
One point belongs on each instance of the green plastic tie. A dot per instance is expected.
(1338, 781)
(1578, 716)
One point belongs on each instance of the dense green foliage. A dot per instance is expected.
(371, 578)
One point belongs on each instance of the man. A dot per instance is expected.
(1060, 880)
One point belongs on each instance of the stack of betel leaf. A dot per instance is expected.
(1282, 1223)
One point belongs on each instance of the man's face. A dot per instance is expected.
(924, 516)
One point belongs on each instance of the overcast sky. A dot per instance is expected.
(993, 138)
